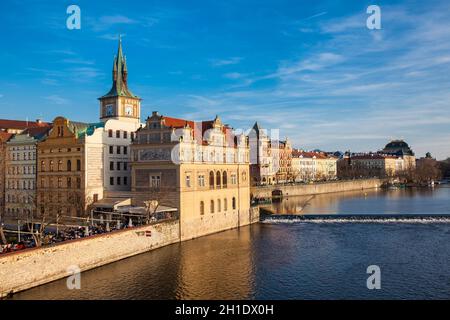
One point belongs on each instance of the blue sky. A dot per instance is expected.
(309, 68)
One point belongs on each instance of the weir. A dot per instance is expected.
(361, 218)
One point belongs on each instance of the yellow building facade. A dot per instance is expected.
(199, 168)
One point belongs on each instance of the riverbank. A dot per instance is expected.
(267, 192)
(33, 267)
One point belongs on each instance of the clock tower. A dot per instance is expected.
(119, 103)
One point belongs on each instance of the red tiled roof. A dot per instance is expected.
(19, 124)
(4, 137)
(372, 156)
(308, 154)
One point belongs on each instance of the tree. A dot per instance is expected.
(157, 195)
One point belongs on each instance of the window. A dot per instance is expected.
(202, 208)
(212, 206)
(225, 204)
(111, 165)
(125, 180)
(118, 149)
(78, 165)
(218, 179)
(111, 181)
(211, 180)
(110, 133)
(244, 176)
(224, 179)
(59, 182)
(233, 179)
(125, 150)
(78, 183)
(201, 180)
(60, 165)
(111, 149)
(118, 166)
(69, 182)
(118, 181)
(219, 205)
(69, 165)
(125, 134)
(132, 136)
(155, 181)
(125, 166)
(118, 134)
(51, 165)
(188, 181)
(233, 203)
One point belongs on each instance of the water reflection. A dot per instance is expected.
(374, 201)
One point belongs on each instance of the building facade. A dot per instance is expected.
(21, 172)
(4, 137)
(281, 152)
(313, 166)
(70, 168)
(202, 169)
(262, 169)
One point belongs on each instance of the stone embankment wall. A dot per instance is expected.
(315, 188)
(217, 222)
(32, 267)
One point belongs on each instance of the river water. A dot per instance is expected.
(289, 259)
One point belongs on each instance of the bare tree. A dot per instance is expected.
(157, 196)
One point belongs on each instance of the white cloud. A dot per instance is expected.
(225, 62)
(55, 99)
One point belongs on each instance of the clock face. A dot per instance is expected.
(109, 110)
(129, 110)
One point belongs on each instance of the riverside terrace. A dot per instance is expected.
(22, 235)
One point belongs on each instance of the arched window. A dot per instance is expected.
(224, 179)
(225, 204)
(78, 165)
(234, 203)
(212, 206)
(60, 165)
(69, 165)
(51, 165)
(218, 179)
(211, 180)
(42, 166)
(202, 208)
(219, 205)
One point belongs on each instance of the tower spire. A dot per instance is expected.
(120, 75)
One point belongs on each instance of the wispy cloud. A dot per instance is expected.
(316, 15)
(56, 99)
(225, 62)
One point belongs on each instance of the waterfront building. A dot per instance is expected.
(120, 110)
(4, 137)
(70, 168)
(313, 166)
(201, 169)
(281, 152)
(374, 164)
(399, 148)
(261, 162)
(303, 165)
(21, 172)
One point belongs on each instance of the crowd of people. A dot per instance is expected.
(53, 236)
(12, 247)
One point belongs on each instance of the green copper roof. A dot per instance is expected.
(120, 75)
(81, 128)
